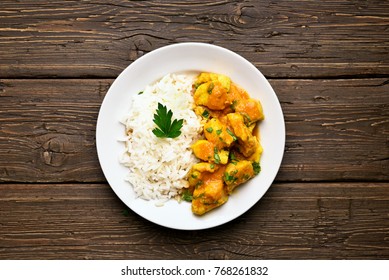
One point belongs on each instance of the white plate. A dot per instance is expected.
(188, 57)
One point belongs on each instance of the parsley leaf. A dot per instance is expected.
(166, 128)
(187, 196)
(256, 167)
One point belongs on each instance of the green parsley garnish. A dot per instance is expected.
(218, 132)
(187, 196)
(216, 156)
(210, 87)
(209, 129)
(232, 134)
(205, 114)
(233, 105)
(166, 128)
(256, 167)
(228, 178)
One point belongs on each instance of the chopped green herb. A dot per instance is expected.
(247, 119)
(210, 87)
(198, 184)
(194, 176)
(141, 92)
(233, 105)
(205, 114)
(216, 156)
(212, 166)
(228, 178)
(187, 196)
(199, 196)
(166, 128)
(256, 167)
(232, 134)
(219, 131)
(209, 129)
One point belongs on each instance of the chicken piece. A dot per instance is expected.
(235, 154)
(224, 81)
(223, 156)
(206, 113)
(205, 167)
(247, 142)
(252, 128)
(201, 94)
(238, 126)
(207, 77)
(203, 150)
(236, 94)
(212, 95)
(194, 176)
(218, 133)
(217, 96)
(248, 147)
(207, 151)
(256, 156)
(211, 90)
(202, 112)
(209, 193)
(251, 110)
(237, 173)
(203, 78)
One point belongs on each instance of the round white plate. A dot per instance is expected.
(188, 57)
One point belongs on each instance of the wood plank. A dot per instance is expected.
(292, 221)
(101, 38)
(336, 130)
(47, 130)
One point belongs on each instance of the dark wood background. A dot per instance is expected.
(328, 62)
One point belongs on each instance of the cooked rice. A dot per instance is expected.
(158, 167)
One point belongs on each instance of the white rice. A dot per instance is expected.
(158, 167)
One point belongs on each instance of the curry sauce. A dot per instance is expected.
(230, 151)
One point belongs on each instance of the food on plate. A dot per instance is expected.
(160, 129)
(193, 139)
(229, 150)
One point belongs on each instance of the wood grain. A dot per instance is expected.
(336, 130)
(327, 61)
(292, 221)
(286, 38)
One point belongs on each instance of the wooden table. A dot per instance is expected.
(328, 62)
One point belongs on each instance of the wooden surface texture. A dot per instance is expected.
(328, 62)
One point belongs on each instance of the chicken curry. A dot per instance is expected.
(229, 151)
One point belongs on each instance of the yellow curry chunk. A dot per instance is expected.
(209, 192)
(256, 155)
(237, 173)
(207, 77)
(197, 169)
(250, 109)
(247, 142)
(211, 94)
(207, 151)
(203, 150)
(218, 133)
(229, 151)
(212, 91)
